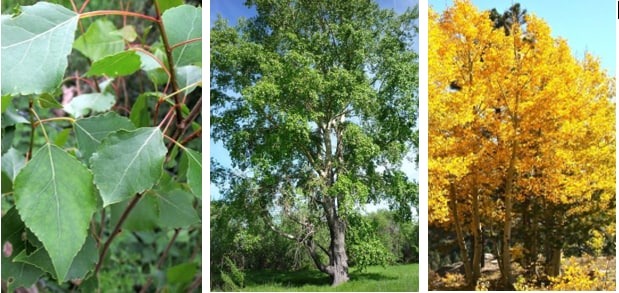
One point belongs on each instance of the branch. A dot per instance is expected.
(168, 51)
(186, 42)
(119, 12)
(116, 230)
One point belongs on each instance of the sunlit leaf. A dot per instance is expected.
(35, 45)
(12, 162)
(183, 23)
(120, 64)
(87, 103)
(100, 40)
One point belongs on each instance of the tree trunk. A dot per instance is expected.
(553, 267)
(460, 235)
(477, 240)
(338, 264)
(507, 227)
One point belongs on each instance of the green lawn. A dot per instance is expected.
(375, 278)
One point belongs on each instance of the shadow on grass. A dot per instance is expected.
(371, 276)
(287, 278)
(304, 277)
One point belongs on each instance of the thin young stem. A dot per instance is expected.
(186, 42)
(84, 6)
(180, 131)
(73, 6)
(36, 123)
(116, 230)
(174, 142)
(168, 51)
(29, 153)
(117, 12)
(197, 133)
(151, 55)
(39, 121)
(164, 255)
(195, 284)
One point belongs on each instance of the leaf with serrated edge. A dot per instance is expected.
(128, 162)
(194, 171)
(95, 102)
(54, 196)
(183, 23)
(82, 264)
(35, 45)
(90, 131)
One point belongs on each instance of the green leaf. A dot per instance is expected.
(55, 197)
(100, 40)
(128, 162)
(153, 69)
(90, 131)
(95, 102)
(62, 137)
(120, 64)
(194, 171)
(187, 75)
(140, 116)
(8, 133)
(35, 45)
(83, 263)
(6, 184)
(183, 23)
(176, 208)
(143, 217)
(127, 33)
(12, 162)
(47, 100)
(182, 273)
(167, 4)
(6, 102)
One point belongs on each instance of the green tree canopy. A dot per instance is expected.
(317, 103)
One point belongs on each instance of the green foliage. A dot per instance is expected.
(313, 114)
(365, 247)
(99, 40)
(90, 103)
(232, 277)
(120, 64)
(64, 202)
(88, 204)
(122, 155)
(44, 46)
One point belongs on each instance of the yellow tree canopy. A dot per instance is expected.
(489, 92)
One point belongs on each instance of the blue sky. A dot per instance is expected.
(232, 10)
(588, 26)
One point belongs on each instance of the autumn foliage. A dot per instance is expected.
(521, 141)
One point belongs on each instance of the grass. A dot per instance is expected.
(374, 278)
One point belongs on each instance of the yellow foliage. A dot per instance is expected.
(577, 277)
(453, 280)
(489, 92)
